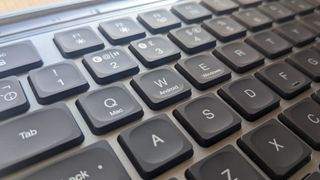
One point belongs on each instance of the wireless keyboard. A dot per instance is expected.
(165, 90)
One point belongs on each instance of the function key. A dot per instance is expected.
(192, 39)
(224, 28)
(108, 108)
(308, 62)
(121, 31)
(159, 21)
(207, 119)
(239, 56)
(161, 87)
(276, 11)
(251, 98)
(155, 145)
(303, 118)
(13, 63)
(12, 98)
(270, 44)
(58, 81)
(298, 6)
(316, 96)
(203, 70)
(96, 161)
(284, 79)
(110, 65)
(225, 164)
(312, 21)
(220, 7)
(253, 19)
(191, 12)
(77, 42)
(248, 3)
(275, 149)
(154, 51)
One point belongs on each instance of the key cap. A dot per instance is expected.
(224, 28)
(121, 31)
(317, 46)
(207, 119)
(313, 176)
(316, 3)
(225, 164)
(249, 97)
(308, 62)
(159, 21)
(312, 21)
(108, 108)
(298, 6)
(96, 161)
(239, 56)
(303, 119)
(270, 44)
(154, 146)
(160, 87)
(220, 7)
(58, 81)
(275, 149)
(253, 19)
(191, 12)
(203, 70)
(37, 136)
(316, 96)
(154, 51)
(110, 65)
(192, 39)
(248, 3)
(277, 12)
(77, 42)
(12, 63)
(13, 100)
(284, 79)
(296, 33)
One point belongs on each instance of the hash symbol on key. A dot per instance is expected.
(276, 145)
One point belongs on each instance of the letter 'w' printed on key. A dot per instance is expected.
(161, 82)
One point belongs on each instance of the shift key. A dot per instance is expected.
(36, 136)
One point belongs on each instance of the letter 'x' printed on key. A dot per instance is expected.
(276, 145)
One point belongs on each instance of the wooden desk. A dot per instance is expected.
(14, 5)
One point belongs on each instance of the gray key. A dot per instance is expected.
(192, 39)
(253, 19)
(13, 63)
(36, 136)
(108, 108)
(248, 3)
(277, 11)
(312, 21)
(96, 161)
(191, 12)
(161, 87)
(299, 6)
(12, 98)
(221, 6)
(58, 81)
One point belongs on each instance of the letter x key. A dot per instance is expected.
(276, 145)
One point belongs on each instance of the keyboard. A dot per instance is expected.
(164, 90)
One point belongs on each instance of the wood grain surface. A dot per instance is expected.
(15, 5)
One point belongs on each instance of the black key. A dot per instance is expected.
(224, 28)
(275, 149)
(110, 65)
(203, 70)
(277, 12)
(248, 3)
(58, 81)
(108, 108)
(270, 44)
(161, 87)
(155, 145)
(317, 46)
(225, 164)
(316, 96)
(159, 21)
(253, 19)
(207, 119)
(96, 161)
(12, 98)
(284, 79)
(315, 2)
(77, 42)
(296, 33)
(192, 39)
(308, 62)
(313, 176)
(220, 7)
(154, 51)
(303, 118)
(191, 12)
(121, 31)
(312, 21)
(239, 56)
(12, 63)
(37, 136)
(298, 6)
(249, 97)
